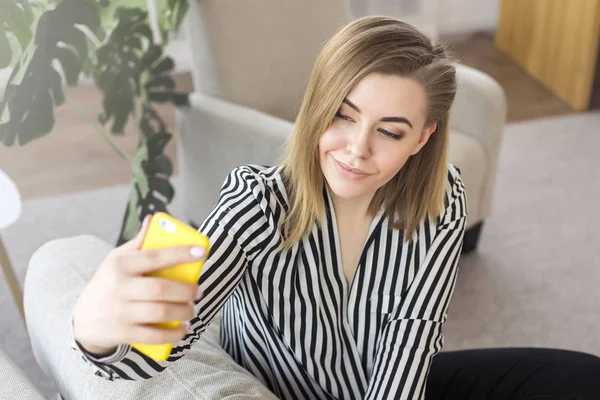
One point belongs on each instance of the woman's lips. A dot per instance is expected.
(344, 171)
(349, 168)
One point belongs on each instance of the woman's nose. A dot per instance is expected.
(358, 143)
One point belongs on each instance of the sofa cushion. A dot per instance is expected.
(470, 157)
(14, 383)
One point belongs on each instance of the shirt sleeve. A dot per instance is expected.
(413, 335)
(232, 228)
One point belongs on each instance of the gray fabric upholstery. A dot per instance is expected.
(216, 136)
(15, 384)
(57, 274)
(259, 53)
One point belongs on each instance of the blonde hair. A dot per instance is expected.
(373, 44)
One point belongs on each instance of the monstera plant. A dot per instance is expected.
(52, 43)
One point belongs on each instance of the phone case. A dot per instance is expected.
(166, 231)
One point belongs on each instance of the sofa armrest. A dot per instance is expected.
(479, 112)
(215, 136)
(14, 383)
(57, 274)
(479, 109)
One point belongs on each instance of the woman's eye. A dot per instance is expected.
(342, 116)
(390, 134)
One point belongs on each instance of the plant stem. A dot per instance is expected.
(99, 129)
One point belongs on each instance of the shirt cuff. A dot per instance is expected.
(118, 355)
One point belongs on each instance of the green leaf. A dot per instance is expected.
(15, 17)
(21, 66)
(27, 11)
(35, 85)
(5, 50)
(108, 15)
(177, 10)
(137, 169)
(151, 189)
(163, 66)
(169, 14)
(131, 223)
(158, 143)
(159, 84)
(118, 67)
(33, 128)
(162, 186)
(129, 67)
(161, 165)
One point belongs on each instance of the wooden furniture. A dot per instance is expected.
(9, 212)
(555, 41)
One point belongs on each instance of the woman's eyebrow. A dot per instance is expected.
(384, 119)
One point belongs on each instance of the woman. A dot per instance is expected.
(333, 270)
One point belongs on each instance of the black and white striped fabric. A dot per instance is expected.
(289, 317)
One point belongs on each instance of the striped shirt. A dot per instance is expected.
(289, 317)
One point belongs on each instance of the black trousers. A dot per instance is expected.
(514, 374)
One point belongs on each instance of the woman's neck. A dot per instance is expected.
(356, 209)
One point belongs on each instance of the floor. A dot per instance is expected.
(74, 156)
(526, 97)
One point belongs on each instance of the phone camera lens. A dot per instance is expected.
(167, 225)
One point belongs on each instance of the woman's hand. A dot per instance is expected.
(120, 302)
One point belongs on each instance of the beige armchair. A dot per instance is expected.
(251, 61)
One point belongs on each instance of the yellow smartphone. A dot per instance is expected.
(166, 231)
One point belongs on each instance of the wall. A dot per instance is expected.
(460, 16)
(454, 16)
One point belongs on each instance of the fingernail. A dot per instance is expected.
(187, 325)
(199, 293)
(197, 251)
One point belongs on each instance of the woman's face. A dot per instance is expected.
(380, 124)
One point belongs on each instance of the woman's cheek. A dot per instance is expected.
(338, 134)
(329, 139)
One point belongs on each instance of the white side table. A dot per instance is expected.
(10, 209)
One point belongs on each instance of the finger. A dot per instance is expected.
(158, 289)
(146, 261)
(156, 312)
(149, 334)
(139, 238)
(137, 241)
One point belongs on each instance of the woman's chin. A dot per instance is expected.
(345, 190)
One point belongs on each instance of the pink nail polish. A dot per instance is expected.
(199, 293)
(187, 325)
(197, 252)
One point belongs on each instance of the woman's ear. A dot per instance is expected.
(425, 134)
